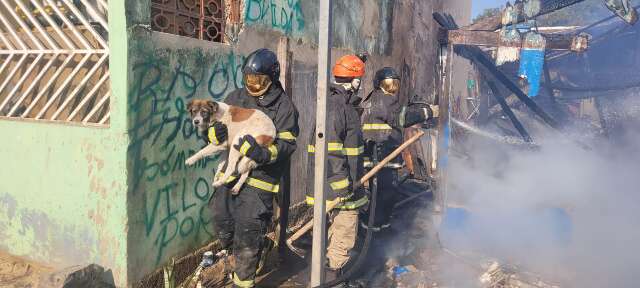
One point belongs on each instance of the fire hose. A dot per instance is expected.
(377, 166)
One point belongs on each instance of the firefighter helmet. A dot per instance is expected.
(388, 80)
(349, 66)
(260, 70)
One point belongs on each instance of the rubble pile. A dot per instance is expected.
(416, 258)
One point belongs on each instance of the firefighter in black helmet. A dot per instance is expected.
(241, 221)
(383, 120)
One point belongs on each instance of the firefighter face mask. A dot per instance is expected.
(355, 85)
(256, 84)
(390, 86)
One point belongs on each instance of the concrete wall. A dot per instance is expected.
(121, 196)
(360, 25)
(166, 201)
(63, 187)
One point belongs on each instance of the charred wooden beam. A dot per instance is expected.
(484, 60)
(489, 38)
(507, 110)
(546, 6)
(474, 53)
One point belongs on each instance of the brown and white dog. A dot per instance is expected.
(239, 122)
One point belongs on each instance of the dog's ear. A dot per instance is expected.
(190, 106)
(213, 105)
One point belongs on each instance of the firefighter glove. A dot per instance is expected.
(419, 114)
(250, 148)
(218, 133)
(336, 201)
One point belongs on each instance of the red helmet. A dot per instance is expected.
(349, 66)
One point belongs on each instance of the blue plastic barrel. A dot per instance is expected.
(532, 61)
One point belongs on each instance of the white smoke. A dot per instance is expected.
(510, 195)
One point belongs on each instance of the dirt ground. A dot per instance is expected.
(410, 244)
(408, 255)
(20, 273)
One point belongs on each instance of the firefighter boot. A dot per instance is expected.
(333, 274)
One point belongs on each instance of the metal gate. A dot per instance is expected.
(54, 60)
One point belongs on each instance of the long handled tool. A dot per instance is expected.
(364, 179)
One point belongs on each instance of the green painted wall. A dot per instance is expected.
(63, 187)
(168, 201)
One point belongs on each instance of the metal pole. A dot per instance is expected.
(444, 133)
(319, 214)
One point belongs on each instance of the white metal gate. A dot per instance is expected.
(54, 60)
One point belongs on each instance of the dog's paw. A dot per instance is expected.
(192, 160)
(236, 189)
(217, 184)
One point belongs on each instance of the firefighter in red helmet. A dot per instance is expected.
(344, 164)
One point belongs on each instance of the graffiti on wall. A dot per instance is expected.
(283, 15)
(169, 198)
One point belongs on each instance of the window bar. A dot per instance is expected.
(96, 14)
(6, 63)
(89, 95)
(20, 81)
(6, 42)
(33, 84)
(201, 21)
(35, 23)
(84, 21)
(52, 51)
(105, 118)
(54, 25)
(13, 32)
(63, 86)
(96, 107)
(69, 24)
(8, 60)
(103, 4)
(49, 84)
(12, 73)
(82, 83)
(26, 29)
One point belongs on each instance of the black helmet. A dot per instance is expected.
(262, 61)
(384, 73)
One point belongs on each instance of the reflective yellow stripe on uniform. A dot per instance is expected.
(376, 126)
(335, 146)
(242, 283)
(244, 148)
(212, 136)
(354, 204)
(274, 152)
(286, 135)
(353, 151)
(253, 182)
(346, 205)
(340, 184)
